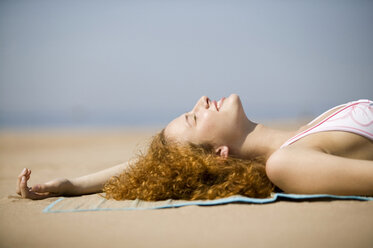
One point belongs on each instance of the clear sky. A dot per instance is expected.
(145, 62)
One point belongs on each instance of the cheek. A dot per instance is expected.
(207, 122)
(211, 128)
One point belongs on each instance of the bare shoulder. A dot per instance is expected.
(287, 156)
(279, 160)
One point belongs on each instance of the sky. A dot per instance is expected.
(126, 63)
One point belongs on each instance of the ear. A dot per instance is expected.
(222, 151)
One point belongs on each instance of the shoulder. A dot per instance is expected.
(286, 167)
(283, 157)
(277, 163)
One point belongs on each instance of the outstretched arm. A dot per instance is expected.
(307, 171)
(88, 184)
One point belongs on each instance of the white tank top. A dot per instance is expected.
(355, 117)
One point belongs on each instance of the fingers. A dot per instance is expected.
(23, 187)
(38, 191)
(23, 173)
(28, 173)
(26, 192)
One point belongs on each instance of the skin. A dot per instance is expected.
(332, 162)
(38, 192)
(223, 124)
(227, 129)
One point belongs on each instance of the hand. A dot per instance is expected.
(52, 188)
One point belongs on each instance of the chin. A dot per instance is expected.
(234, 96)
(235, 101)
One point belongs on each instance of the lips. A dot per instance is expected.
(220, 103)
(215, 104)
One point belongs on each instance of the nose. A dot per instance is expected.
(203, 102)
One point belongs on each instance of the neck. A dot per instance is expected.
(262, 141)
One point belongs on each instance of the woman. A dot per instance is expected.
(216, 151)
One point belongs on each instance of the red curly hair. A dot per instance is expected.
(189, 172)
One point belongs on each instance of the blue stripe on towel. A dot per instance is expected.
(174, 204)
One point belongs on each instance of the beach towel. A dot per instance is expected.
(97, 202)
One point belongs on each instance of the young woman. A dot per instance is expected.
(215, 151)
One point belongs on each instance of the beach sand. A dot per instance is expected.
(67, 153)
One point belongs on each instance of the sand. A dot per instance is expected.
(71, 153)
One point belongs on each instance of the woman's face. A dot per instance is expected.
(216, 123)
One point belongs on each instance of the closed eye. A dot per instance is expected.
(188, 119)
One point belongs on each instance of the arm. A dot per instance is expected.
(307, 171)
(92, 183)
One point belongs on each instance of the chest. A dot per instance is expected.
(339, 143)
